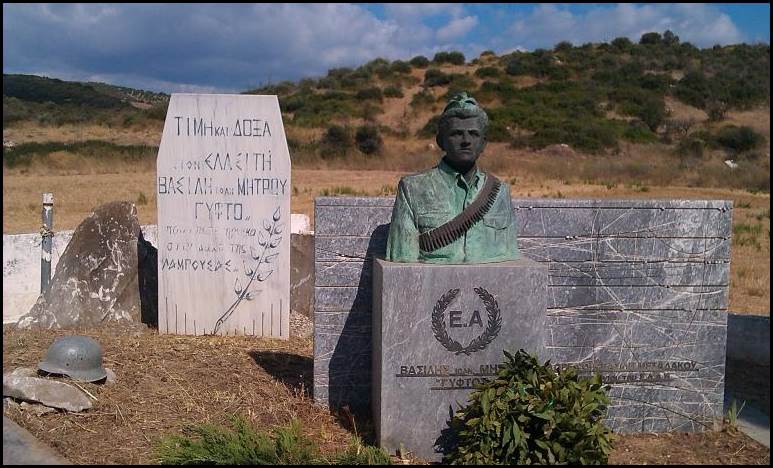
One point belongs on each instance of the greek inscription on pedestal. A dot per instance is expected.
(223, 193)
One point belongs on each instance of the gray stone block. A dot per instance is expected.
(629, 282)
(438, 330)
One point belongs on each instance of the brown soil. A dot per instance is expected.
(165, 382)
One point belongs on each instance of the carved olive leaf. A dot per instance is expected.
(263, 276)
(253, 254)
(247, 270)
(262, 238)
(276, 214)
(275, 242)
(237, 286)
(270, 258)
(266, 225)
(278, 229)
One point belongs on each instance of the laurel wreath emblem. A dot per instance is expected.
(477, 344)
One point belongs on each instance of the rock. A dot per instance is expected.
(111, 377)
(731, 164)
(302, 273)
(560, 150)
(147, 266)
(48, 392)
(96, 280)
(24, 372)
(38, 409)
(300, 325)
(9, 403)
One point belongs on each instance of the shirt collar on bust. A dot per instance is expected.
(452, 175)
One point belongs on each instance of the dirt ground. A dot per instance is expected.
(165, 382)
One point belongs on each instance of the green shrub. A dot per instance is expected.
(636, 132)
(24, 153)
(423, 99)
(393, 92)
(368, 139)
(360, 454)
(691, 147)
(429, 130)
(419, 61)
(336, 141)
(488, 72)
(532, 414)
(454, 58)
(623, 44)
(651, 38)
(373, 93)
(516, 67)
(435, 77)
(209, 444)
(739, 138)
(398, 66)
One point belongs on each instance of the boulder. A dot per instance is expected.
(25, 372)
(48, 392)
(96, 281)
(36, 408)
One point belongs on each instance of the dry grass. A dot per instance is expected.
(26, 132)
(167, 382)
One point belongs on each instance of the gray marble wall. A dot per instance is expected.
(637, 289)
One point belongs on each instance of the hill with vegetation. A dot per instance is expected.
(595, 99)
(57, 102)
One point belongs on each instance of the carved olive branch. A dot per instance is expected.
(267, 245)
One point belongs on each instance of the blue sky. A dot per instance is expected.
(235, 47)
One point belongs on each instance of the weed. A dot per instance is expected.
(142, 199)
(731, 418)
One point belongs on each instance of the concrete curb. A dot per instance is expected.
(22, 448)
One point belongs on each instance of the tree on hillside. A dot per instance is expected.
(670, 38)
(651, 38)
(623, 44)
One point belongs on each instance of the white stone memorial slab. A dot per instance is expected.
(224, 217)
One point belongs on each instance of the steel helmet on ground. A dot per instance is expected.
(78, 357)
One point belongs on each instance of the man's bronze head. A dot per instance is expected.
(462, 131)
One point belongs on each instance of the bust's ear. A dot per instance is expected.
(483, 144)
(439, 141)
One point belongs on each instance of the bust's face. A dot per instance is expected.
(463, 142)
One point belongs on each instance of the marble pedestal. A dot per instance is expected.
(440, 329)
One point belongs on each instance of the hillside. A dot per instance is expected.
(54, 101)
(593, 97)
(659, 119)
(692, 107)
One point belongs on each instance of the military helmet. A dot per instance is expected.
(78, 357)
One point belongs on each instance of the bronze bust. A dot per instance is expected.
(454, 212)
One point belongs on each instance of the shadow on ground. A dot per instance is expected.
(292, 370)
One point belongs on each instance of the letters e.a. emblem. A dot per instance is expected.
(492, 327)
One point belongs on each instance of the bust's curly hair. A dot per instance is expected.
(464, 106)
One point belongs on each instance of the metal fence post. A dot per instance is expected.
(48, 236)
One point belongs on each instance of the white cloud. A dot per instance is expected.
(240, 46)
(456, 28)
(548, 24)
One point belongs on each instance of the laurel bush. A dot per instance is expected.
(532, 414)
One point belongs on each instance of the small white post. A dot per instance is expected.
(47, 234)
